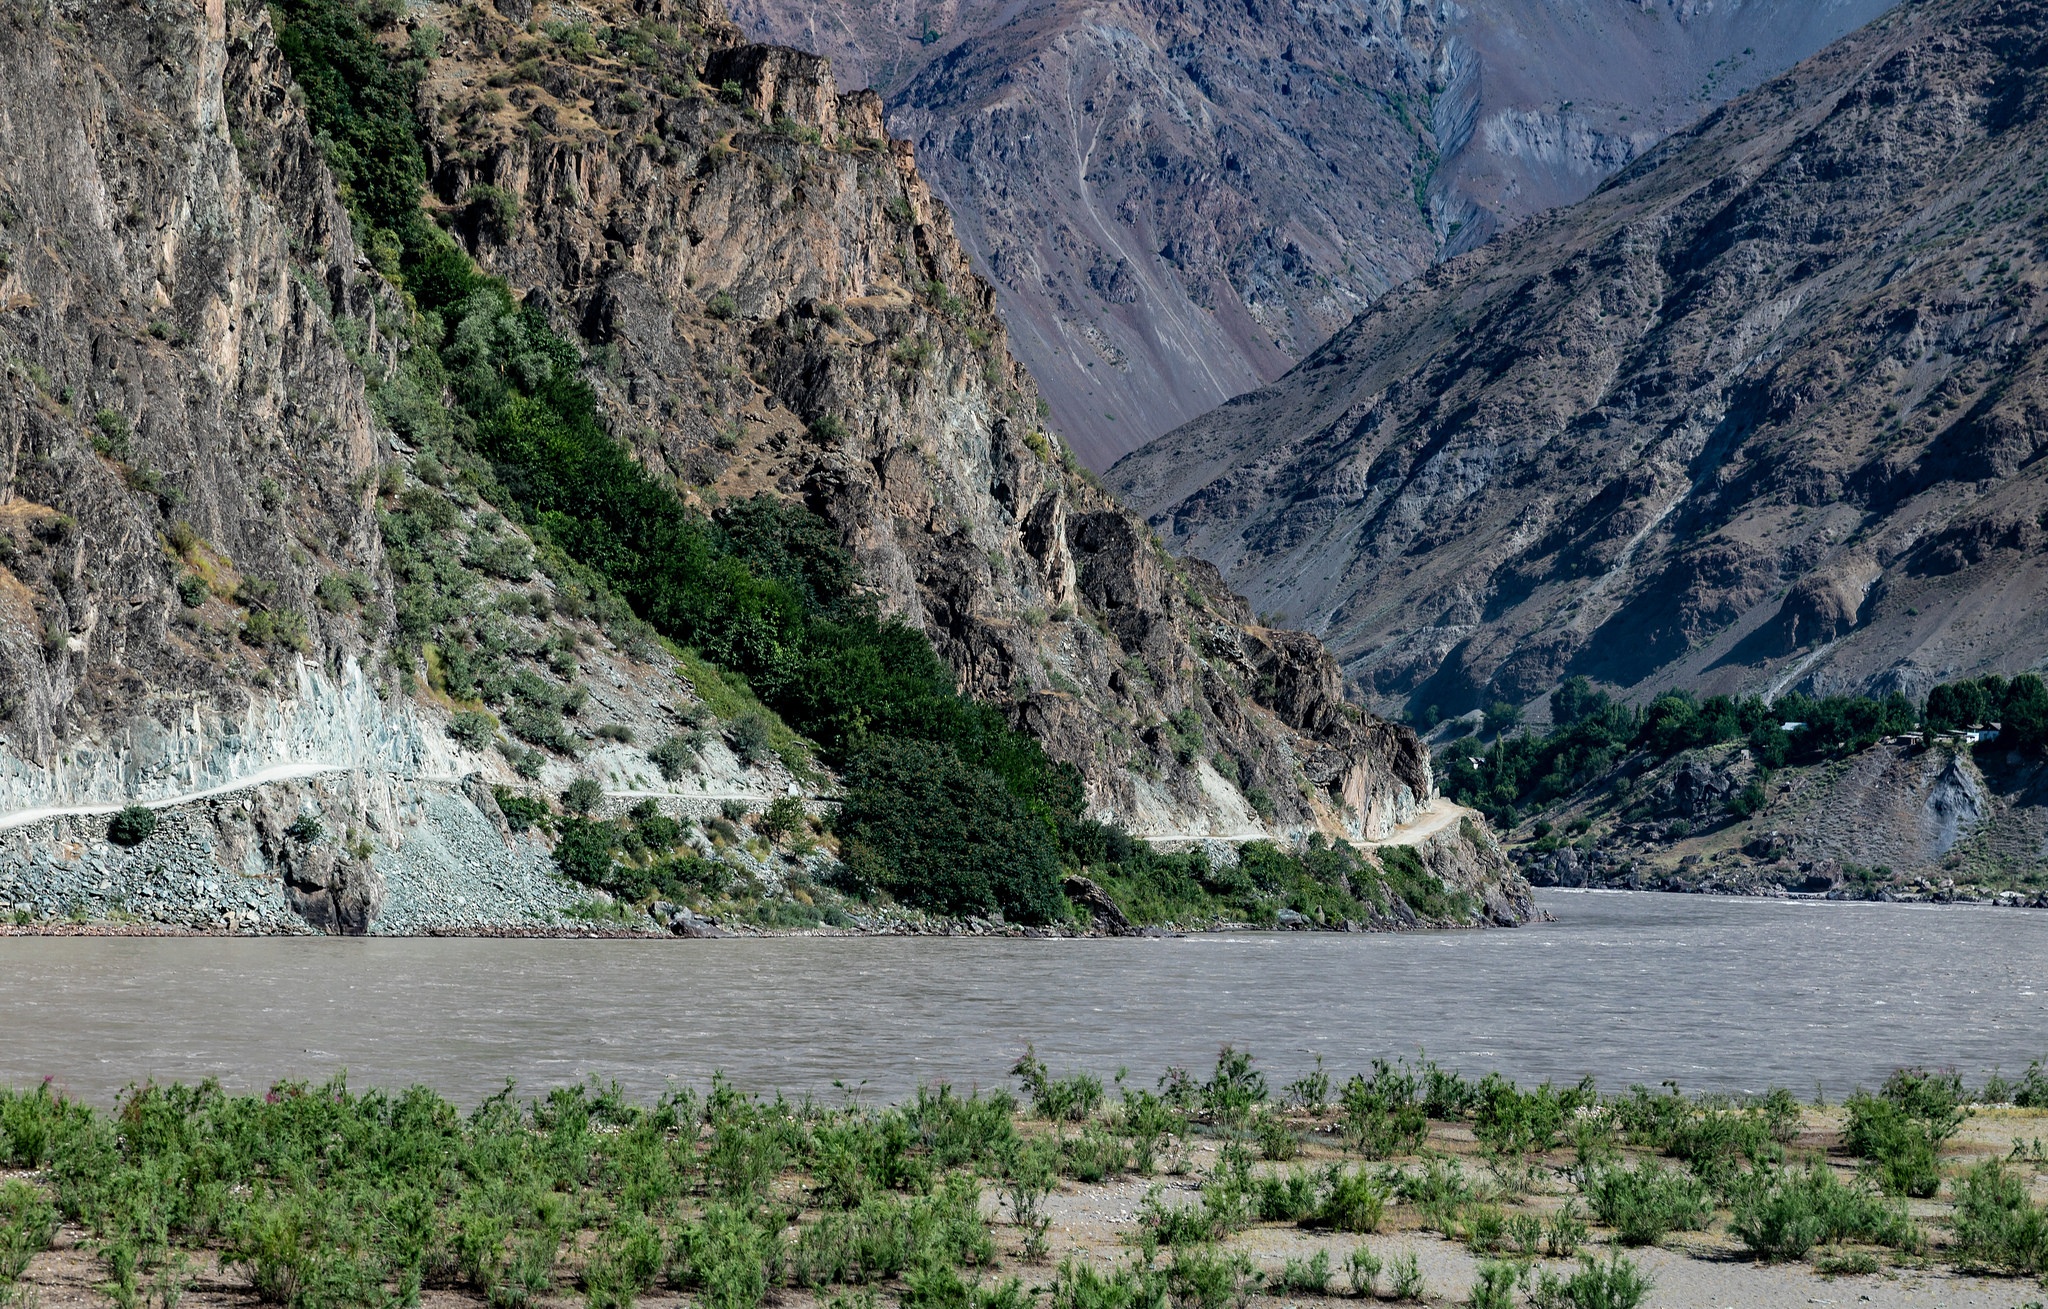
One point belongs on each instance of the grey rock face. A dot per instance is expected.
(1753, 417)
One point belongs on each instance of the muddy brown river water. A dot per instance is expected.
(1716, 994)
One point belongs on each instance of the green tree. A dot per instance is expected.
(582, 796)
(948, 836)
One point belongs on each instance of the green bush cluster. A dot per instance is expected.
(1997, 1224)
(132, 825)
(321, 1196)
(1384, 1114)
(1511, 1121)
(637, 857)
(1899, 1131)
(933, 830)
(1616, 1284)
(1328, 884)
(1715, 1137)
(1785, 1213)
(1644, 1203)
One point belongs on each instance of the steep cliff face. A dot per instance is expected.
(1762, 415)
(195, 580)
(175, 401)
(241, 598)
(1177, 201)
(779, 304)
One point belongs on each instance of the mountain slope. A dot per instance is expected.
(1177, 201)
(1763, 414)
(348, 558)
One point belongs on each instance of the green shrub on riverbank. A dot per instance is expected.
(1645, 1203)
(322, 1197)
(1900, 1130)
(1783, 1214)
(1997, 1224)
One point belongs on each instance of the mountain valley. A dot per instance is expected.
(1177, 202)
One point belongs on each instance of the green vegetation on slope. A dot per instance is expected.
(974, 817)
(1521, 773)
(765, 592)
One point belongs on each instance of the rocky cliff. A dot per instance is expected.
(245, 591)
(1177, 201)
(1763, 414)
(781, 305)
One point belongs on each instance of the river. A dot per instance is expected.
(1717, 994)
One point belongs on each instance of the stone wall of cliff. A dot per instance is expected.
(779, 304)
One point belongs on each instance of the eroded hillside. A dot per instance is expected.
(1764, 414)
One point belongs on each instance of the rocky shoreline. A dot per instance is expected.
(1569, 868)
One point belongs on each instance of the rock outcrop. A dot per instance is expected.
(1764, 414)
(782, 306)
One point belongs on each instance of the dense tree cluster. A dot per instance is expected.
(1520, 773)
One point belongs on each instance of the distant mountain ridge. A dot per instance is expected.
(1176, 202)
(1763, 414)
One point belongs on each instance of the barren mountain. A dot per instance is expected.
(1764, 413)
(1177, 201)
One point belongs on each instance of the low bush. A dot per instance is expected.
(1997, 1225)
(1564, 1231)
(1362, 1270)
(675, 756)
(132, 826)
(1287, 1197)
(27, 1223)
(521, 811)
(1070, 1099)
(1208, 1278)
(1509, 1120)
(1405, 1277)
(1382, 1115)
(1094, 1155)
(1901, 1149)
(472, 728)
(1351, 1201)
(1845, 1263)
(1493, 1285)
(1309, 1276)
(1783, 1214)
(1644, 1203)
(727, 1257)
(1616, 1284)
(1079, 1286)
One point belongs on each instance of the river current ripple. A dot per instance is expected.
(1716, 994)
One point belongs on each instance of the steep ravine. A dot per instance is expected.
(772, 302)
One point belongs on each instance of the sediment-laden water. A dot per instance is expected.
(1716, 994)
